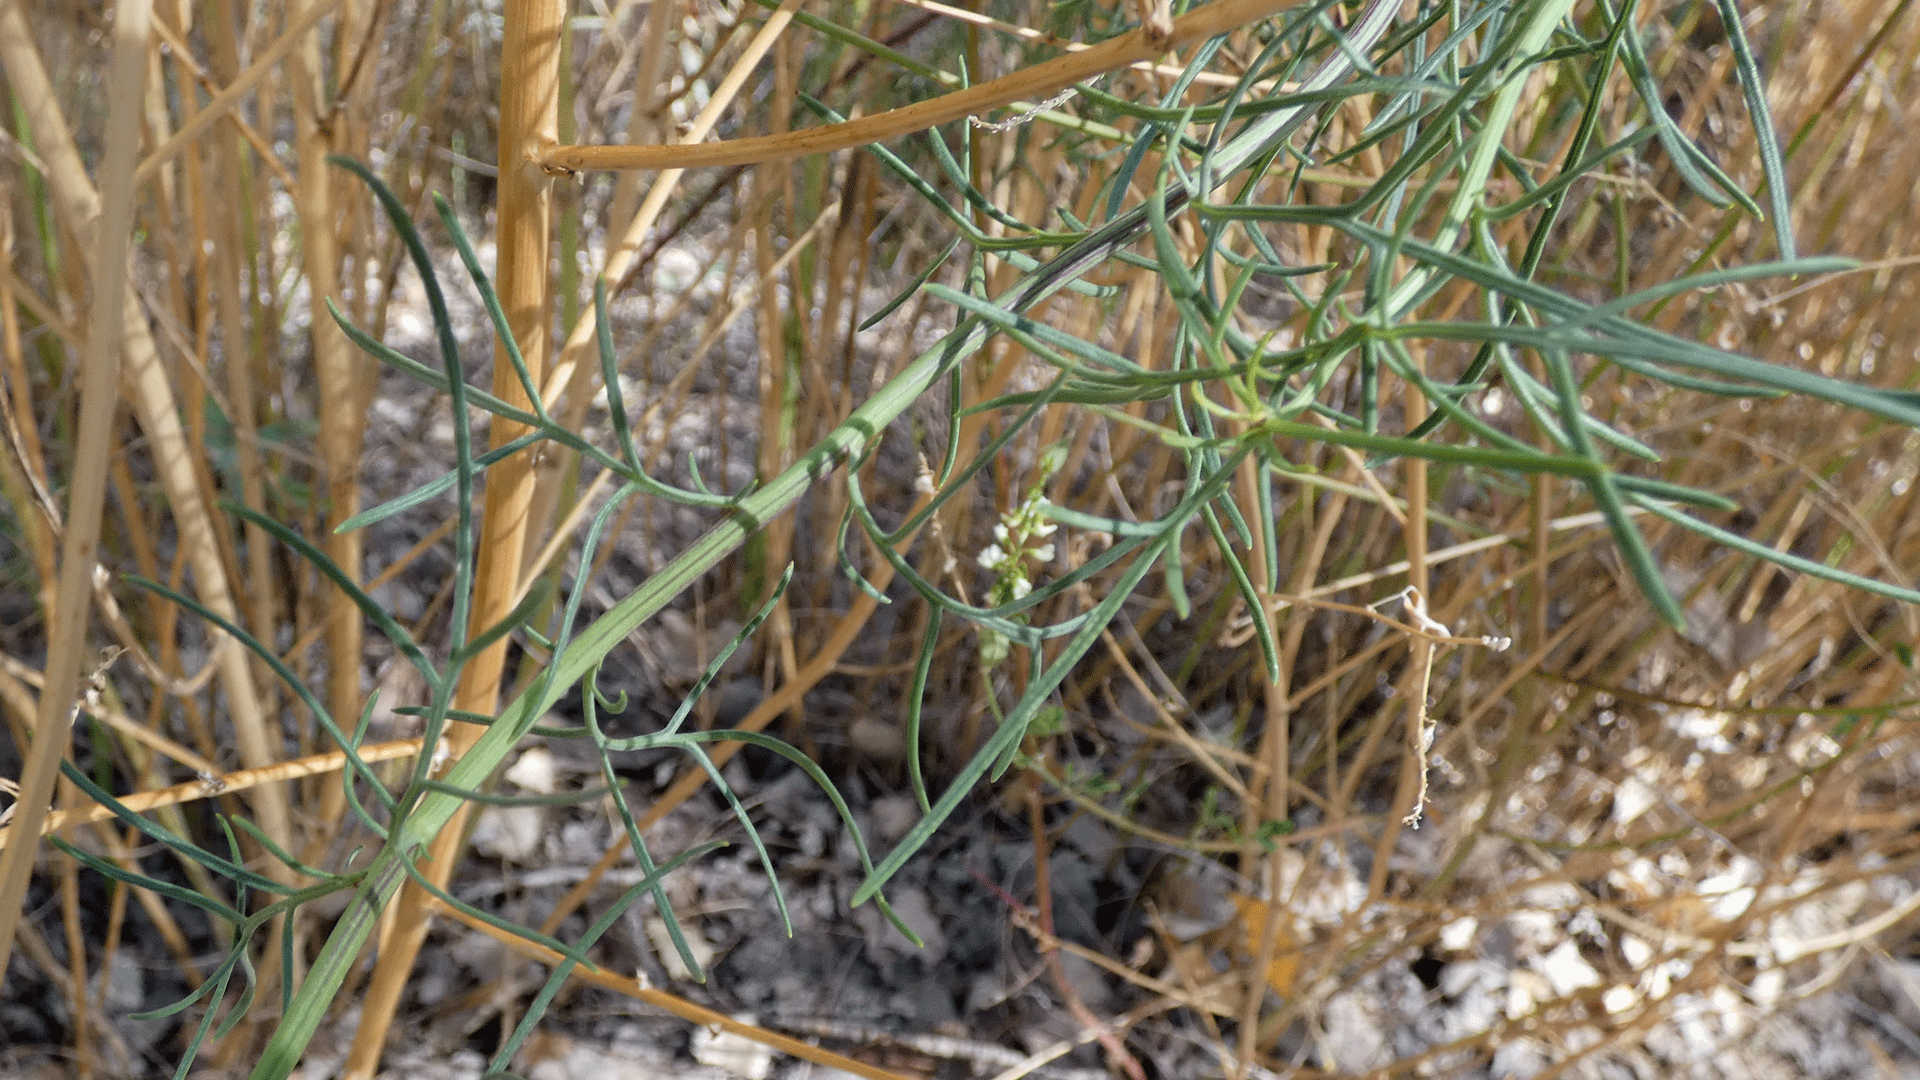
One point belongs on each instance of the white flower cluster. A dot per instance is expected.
(1019, 541)
(1019, 536)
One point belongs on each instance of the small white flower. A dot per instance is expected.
(1021, 587)
(992, 557)
(1044, 553)
(1000, 532)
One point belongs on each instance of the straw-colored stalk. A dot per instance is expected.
(645, 127)
(227, 282)
(82, 211)
(529, 121)
(340, 369)
(86, 497)
(672, 1004)
(772, 188)
(569, 387)
(1030, 83)
(214, 785)
(223, 104)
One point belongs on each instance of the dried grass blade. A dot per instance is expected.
(99, 398)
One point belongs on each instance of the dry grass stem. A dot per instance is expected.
(99, 397)
(1028, 84)
(1678, 814)
(529, 119)
(214, 784)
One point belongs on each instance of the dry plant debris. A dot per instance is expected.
(1641, 851)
